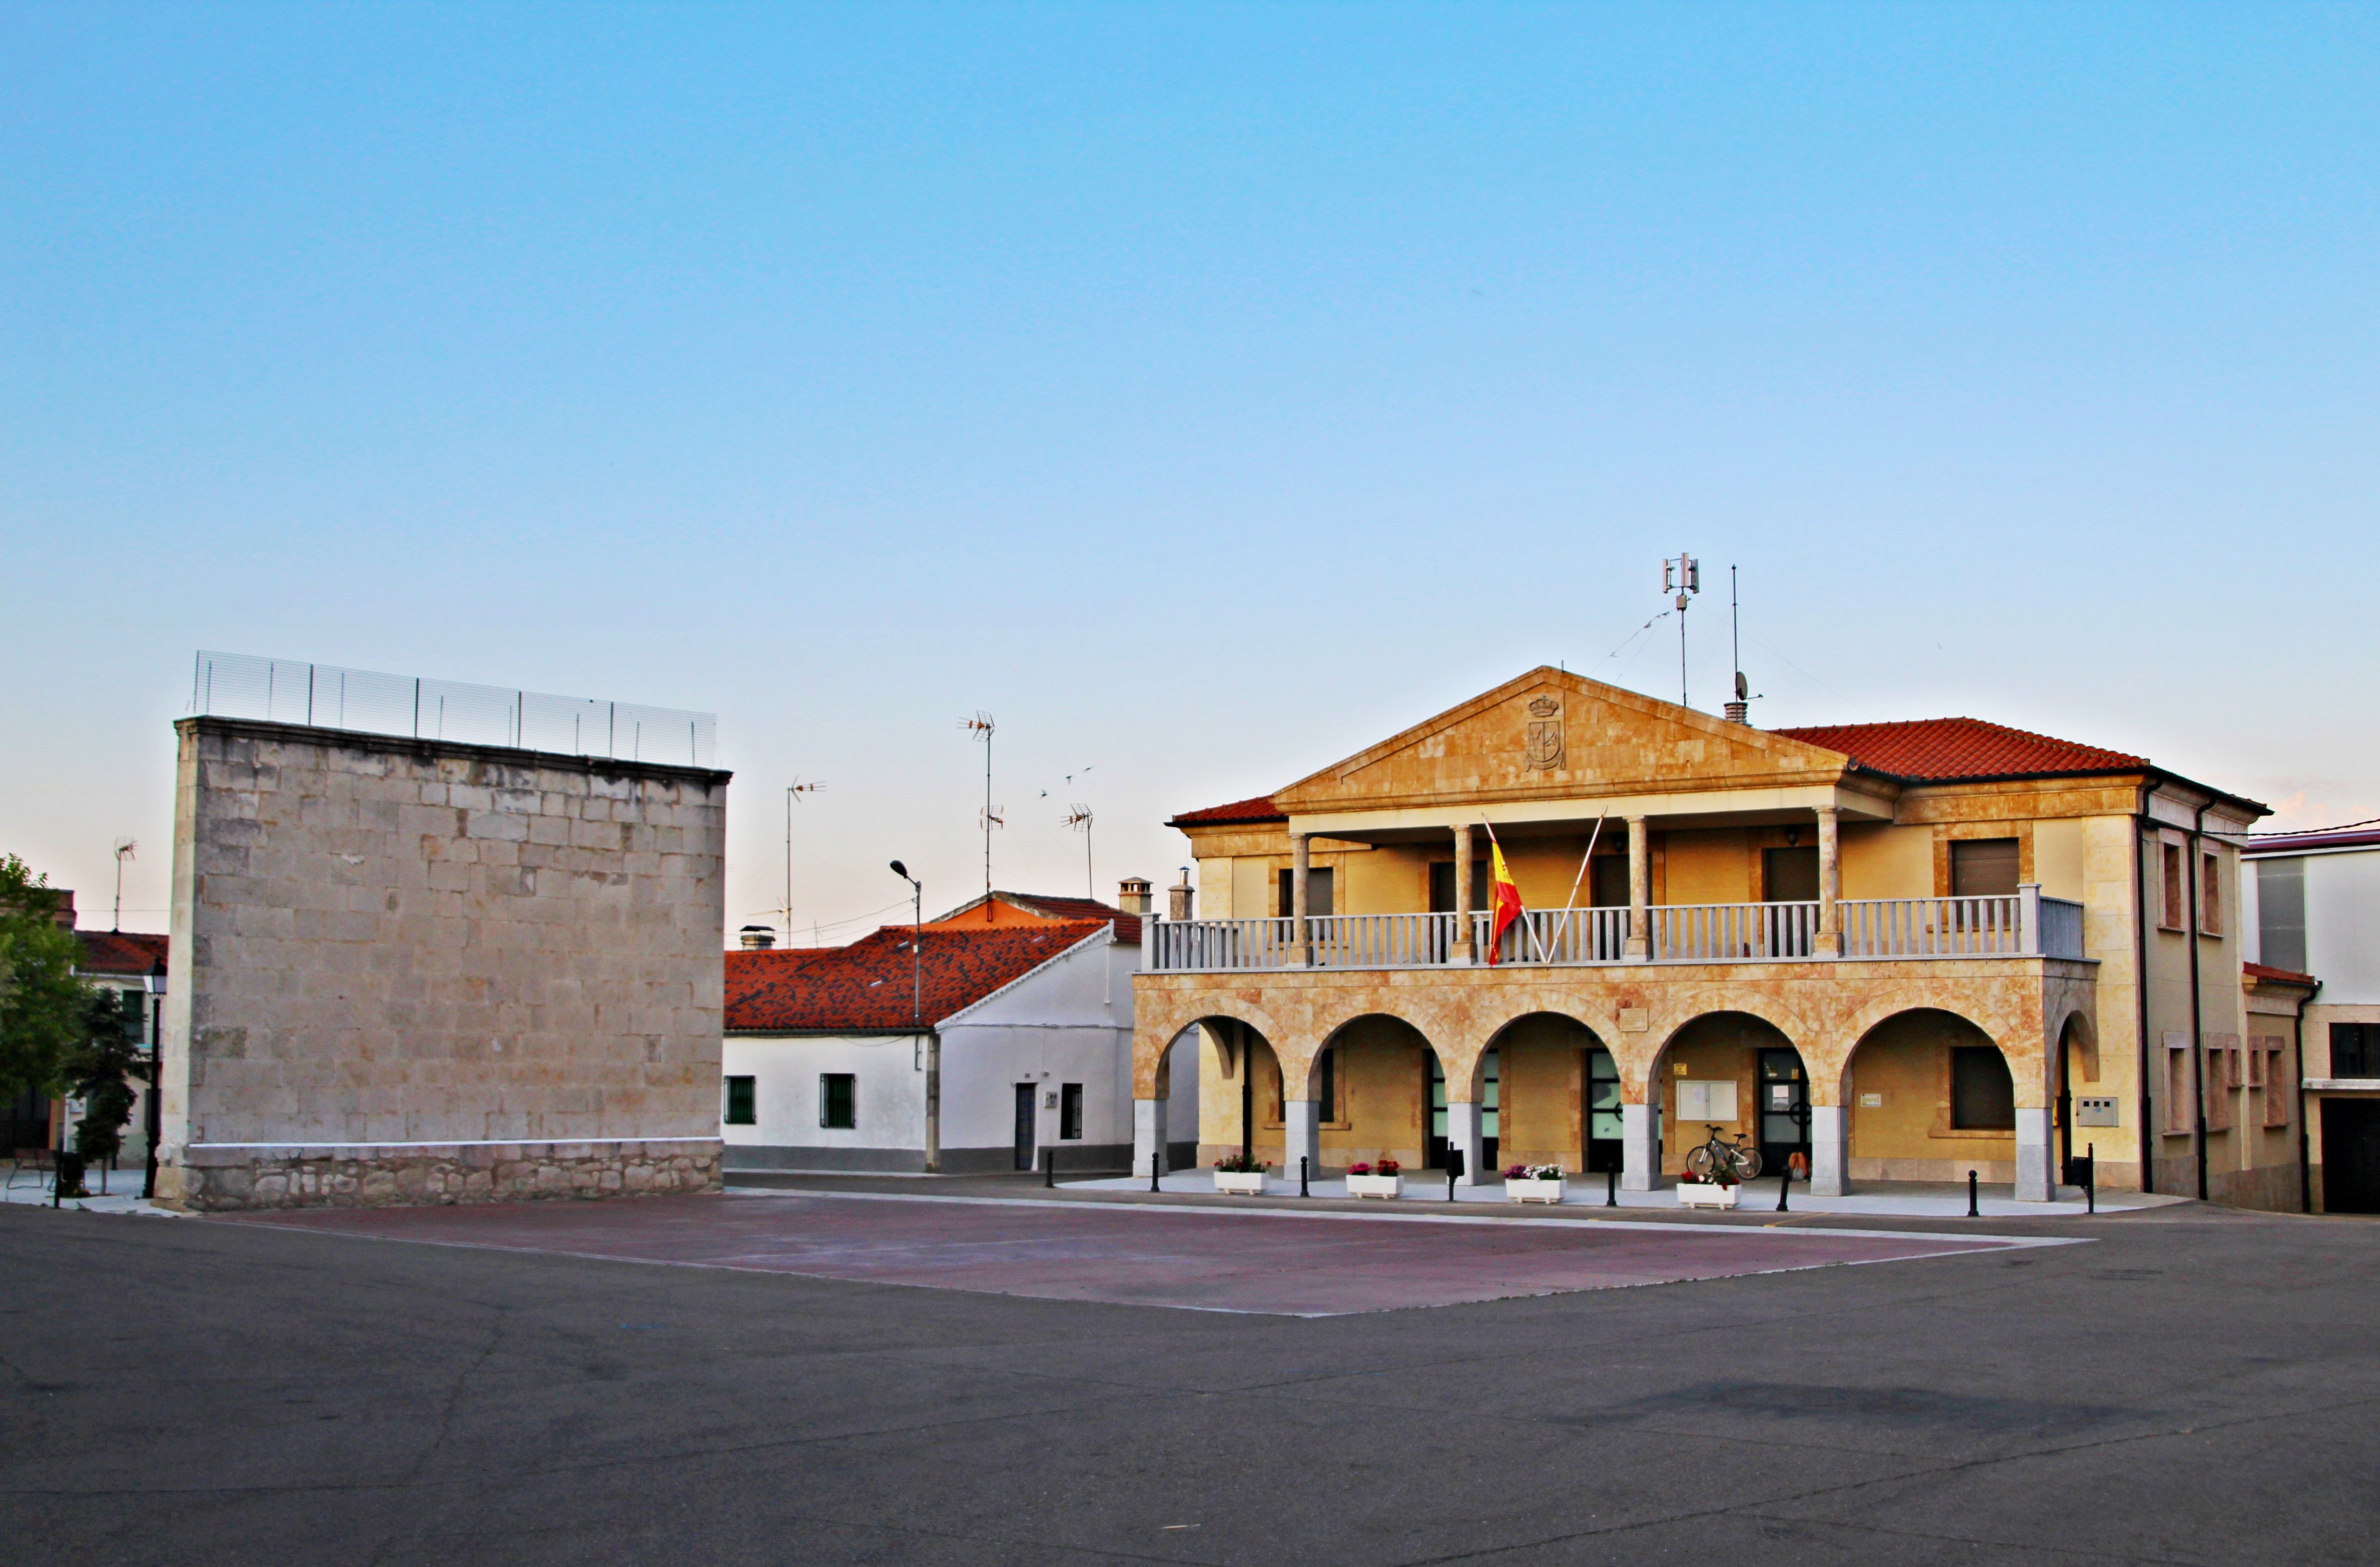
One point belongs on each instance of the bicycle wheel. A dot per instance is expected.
(1746, 1163)
(1699, 1163)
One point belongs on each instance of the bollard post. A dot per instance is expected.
(1611, 1188)
(1154, 1160)
(1301, 1176)
(1784, 1181)
(1453, 1168)
(2091, 1176)
(1973, 1212)
(1049, 1167)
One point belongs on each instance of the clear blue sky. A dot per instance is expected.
(1205, 391)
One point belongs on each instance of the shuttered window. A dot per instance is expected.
(1982, 1095)
(739, 1103)
(838, 1101)
(1984, 868)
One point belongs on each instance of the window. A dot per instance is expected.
(1319, 886)
(739, 1103)
(2278, 1092)
(2210, 895)
(838, 1101)
(1070, 1112)
(2355, 1050)
(1326, 1090)
(2222, 1076)
(2172, 916)
(1441, 885)
(2177, 1081)
(1982, 1095)
(1984, 868)
(2280, 914)
(1608, 879)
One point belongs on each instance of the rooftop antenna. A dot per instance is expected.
(1079, 818)
(1740, 710)
(980, 726)
(793, 790)
(124, 849)
(1684, 578)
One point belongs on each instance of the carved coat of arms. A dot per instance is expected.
(1543, 749)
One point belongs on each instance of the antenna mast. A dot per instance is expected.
(1738, 711)
(793, 792)
(1079, 818)
(1682, 577)
(980, 726)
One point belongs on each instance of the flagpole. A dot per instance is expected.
(1590, 856)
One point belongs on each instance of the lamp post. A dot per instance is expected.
(917, 1016)
(153, 1121)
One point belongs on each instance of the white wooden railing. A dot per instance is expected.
(1727, 932)
(2024, 925)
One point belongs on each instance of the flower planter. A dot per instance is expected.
(1232, 1183)
(1534, 1191)
(1376, 1185)
(1700, 1194)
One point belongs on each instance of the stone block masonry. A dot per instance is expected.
(431, 972)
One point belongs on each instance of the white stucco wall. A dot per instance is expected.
(2342, 913)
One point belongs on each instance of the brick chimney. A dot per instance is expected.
(1133, 894)
(1178, 897)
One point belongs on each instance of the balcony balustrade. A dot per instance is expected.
(2023, 925)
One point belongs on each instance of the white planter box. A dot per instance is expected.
(1534, 1191)
(1698, 1194)
(1376, 1185)
(1248, 1185)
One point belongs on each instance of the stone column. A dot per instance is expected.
(1830, 887)
(1301, 1135)
(1465, 950)
(1463, 1133)
(1640, 1150)
(1640, 893)
(1830, 1150)
(1147, 1135)
(2036, 1181)
(1300, 862)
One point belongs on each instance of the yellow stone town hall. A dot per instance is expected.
(1882, 952)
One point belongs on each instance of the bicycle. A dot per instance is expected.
(1716, 1154)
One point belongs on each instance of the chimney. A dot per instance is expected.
(1739, 713)
(1133, 894)
(757, 938)
(1178, 897)
(62, 907)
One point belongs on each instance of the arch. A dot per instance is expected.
(1369, 1079)
(1549, 1064)
(1160, 1019)
(2078, 1049)
(1919, 1111)
(1730, 1059)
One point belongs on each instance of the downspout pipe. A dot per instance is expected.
(2305, 1142)
(2197, 1020)
(2143, 824)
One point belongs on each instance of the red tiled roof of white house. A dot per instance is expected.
(870, 986)
(121, 951)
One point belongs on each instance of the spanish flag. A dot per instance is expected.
(1503, 897)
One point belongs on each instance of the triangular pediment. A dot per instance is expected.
(1552, 734)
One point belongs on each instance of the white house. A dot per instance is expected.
(1008, 1034)
(2315, 917)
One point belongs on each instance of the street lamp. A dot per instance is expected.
(917, 1012)
(153, 1121)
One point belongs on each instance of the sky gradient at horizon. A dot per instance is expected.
(1208, 392)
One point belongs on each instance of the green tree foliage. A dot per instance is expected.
(99, 1072)
(44, 1008)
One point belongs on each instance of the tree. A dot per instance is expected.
(44, 1008)
(100, 1070)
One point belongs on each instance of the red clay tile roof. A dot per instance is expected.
(2286, 976)
(1127, 924)
(1260, 809)
(1930, 750)
(867, 987)
(119, 952)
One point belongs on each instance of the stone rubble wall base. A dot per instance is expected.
(394, 1176)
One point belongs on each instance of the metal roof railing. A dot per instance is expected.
(324, 695)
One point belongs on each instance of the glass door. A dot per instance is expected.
(1784, 1108)
(1600, 1113)
(1435, 1144)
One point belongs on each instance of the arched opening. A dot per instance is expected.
(1370, 1083)
(2078, 1064)
(1556, 1096)
(1931, 1097)
(1239, 1099)
(1735, 1076)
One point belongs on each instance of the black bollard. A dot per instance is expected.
(1301, 1176)
(1049, 1167)
(1611, 1188)
(1973, 1212)
(1154, 1168)
(1784, 1181)
(1453, 1168)
(2091, 1176)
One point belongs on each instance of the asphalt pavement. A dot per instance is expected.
(2193, 1385)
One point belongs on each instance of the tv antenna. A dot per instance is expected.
(1079, 818)
(794, 791)
(1740, 710)
(124, 849)
(1684, 578)
(980, 726)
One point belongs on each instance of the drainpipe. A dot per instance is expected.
(2305, 1145)
(2142, 824)
(2197, 1020)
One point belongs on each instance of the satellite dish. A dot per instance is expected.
(1743, 689)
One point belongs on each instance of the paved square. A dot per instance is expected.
(1255, 1260)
